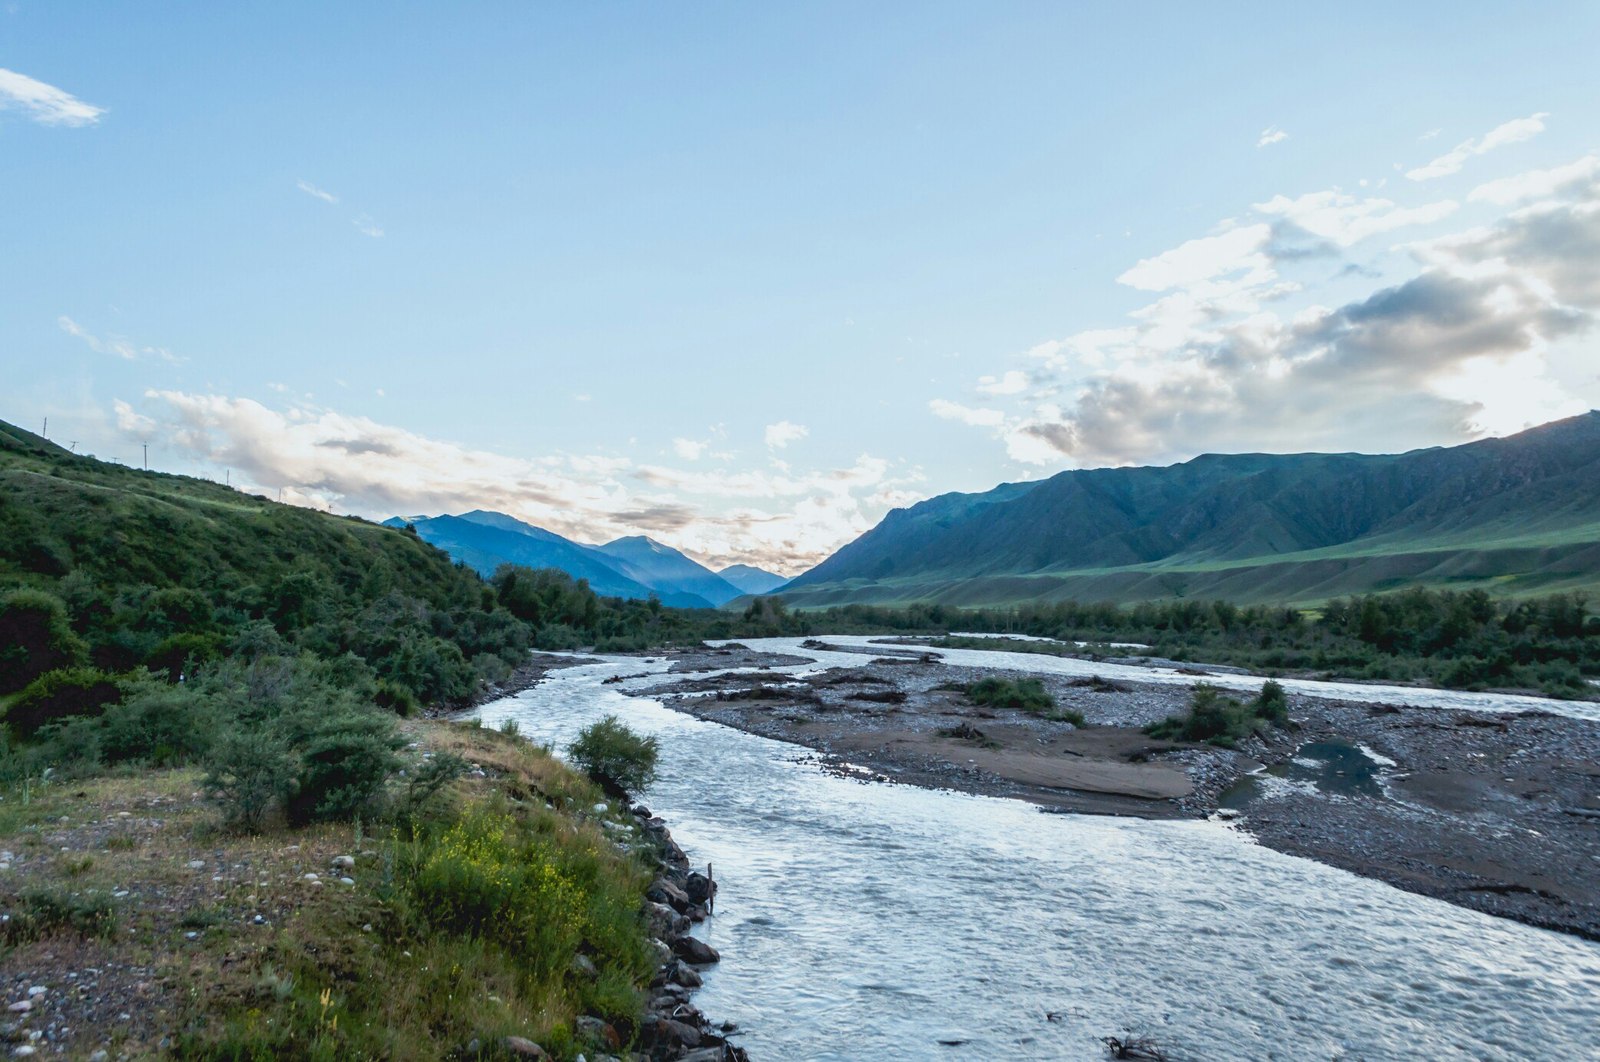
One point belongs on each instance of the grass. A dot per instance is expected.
(243, 957)
(1026, 694)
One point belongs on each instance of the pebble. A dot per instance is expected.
(347, 881)
(21, 1006)
(311, 877)
(36, 991)
(197, 864)
(343, 862)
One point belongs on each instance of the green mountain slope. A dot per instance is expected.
(1515, 515)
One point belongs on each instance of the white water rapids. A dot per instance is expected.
(871, 921)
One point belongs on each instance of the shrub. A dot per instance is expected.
(1223, 720)
(619, 759)
(346, 755)
(59, 695)
(247, 775)
(1272, 703)
(35, 638)
(1027, 694)
(159, 724)
(427, 780)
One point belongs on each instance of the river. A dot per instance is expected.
(862, 920)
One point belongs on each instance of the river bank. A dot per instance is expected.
(132, 926)
(1493, 811)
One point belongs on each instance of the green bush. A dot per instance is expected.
(1223, 720)
(36, 637)
(346, 756)
(247, 775)
(60, 695)
(619, 759)
(1272, 703)
(1027, 694)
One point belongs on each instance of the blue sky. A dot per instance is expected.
(743, 277)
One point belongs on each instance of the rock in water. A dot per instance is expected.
(696, 951)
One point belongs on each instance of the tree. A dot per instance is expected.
(619, 759)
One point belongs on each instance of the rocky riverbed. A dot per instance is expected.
(1496, 812)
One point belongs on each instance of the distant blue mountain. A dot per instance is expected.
(752, 580)
(664, 569)
(485, 540)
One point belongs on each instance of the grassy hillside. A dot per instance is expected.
(1516, 516)
(159, 570)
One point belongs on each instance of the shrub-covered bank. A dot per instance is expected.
(503, 907)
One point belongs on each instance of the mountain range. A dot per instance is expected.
(1519, 514)
(633, 567)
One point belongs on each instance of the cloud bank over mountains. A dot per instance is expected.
(784, 518)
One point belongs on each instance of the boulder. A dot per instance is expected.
(700, 888)
(598, 1031)
(524, 1048)
(694, 950)
(665, 892)
(676, 1032)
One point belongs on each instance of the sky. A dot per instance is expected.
(744, 277)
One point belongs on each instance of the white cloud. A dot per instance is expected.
(1012, 383)
(689, 449)
(1346, 219)
(117, 346)
(366, 226)
(130, 421)
(1206, 258)
(316, 193)
(780, 435)
(1536, 184)
(1514, 131)
(977, 418)
(1271, 135)
(43, 103)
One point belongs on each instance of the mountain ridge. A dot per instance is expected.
(635, 567)
(1108, 533)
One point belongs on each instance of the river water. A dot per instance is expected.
(876, 921)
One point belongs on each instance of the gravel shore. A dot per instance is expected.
(1500, 813)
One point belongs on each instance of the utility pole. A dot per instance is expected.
(74, 445)
(146, 457)
(227, 479)
(44, 432)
